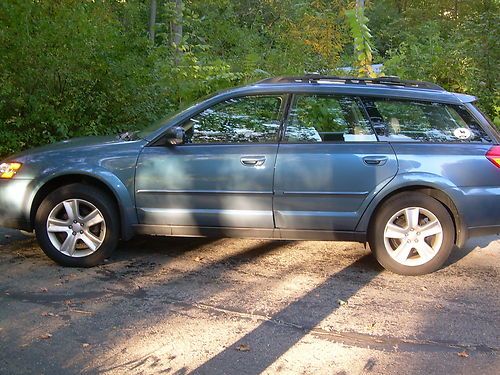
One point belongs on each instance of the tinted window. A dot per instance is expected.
(254, 119)
(397, 120)
(327, 119)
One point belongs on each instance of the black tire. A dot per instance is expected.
(388, 210)
(101, 201)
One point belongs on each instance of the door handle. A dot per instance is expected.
(253, 161)
(375, 160)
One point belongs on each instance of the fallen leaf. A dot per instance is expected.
(463, 354)
(243, 348)
(342, 302)
(45, 336)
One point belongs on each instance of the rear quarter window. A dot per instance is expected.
(415, 121)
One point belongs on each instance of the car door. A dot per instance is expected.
(329, 164)
(222, 175)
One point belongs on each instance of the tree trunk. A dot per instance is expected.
(152, 20)
(176, 29)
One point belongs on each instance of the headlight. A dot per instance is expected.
(8, 170)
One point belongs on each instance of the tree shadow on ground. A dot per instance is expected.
(283, 330)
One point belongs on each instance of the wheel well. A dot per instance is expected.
(440, 196)
(60, 181)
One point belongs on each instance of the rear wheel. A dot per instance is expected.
(76, 226)
(412, 234)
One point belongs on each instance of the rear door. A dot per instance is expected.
(329, 164)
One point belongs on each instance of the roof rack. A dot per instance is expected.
(388, 81)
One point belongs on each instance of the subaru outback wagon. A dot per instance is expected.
(403, 165)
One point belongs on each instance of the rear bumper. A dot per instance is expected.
(479, 208)
(14, 212)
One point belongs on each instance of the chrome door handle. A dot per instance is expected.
(253, 161)
(375, 160)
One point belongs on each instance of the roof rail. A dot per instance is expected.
(389, 81)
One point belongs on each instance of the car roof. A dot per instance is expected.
(392, 87)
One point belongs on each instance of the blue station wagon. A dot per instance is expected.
(403, 165)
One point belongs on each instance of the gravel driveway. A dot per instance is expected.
(227, 306)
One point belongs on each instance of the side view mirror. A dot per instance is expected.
(175, 135)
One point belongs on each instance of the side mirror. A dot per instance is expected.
(175, 135)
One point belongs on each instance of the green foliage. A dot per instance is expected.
(455, 44)
(72, 68)
(86, 67)
(362, 41)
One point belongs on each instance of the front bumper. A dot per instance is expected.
(14, 208)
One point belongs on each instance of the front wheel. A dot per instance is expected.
(76, 226)
(412, 234)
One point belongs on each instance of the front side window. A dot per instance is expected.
(249, 119)
(327, 118)
(404, 120)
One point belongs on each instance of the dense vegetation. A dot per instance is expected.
(88, 67)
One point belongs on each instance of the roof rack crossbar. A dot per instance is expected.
(389, 81)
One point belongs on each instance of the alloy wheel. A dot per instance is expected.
(76, 227)
(413, 236)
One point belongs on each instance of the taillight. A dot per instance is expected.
(493, 155)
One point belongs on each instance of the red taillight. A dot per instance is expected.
(493, 155)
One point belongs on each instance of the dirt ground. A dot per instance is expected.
(226, 306)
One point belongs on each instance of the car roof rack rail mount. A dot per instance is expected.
(390, 81)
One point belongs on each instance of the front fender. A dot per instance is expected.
(124, 196)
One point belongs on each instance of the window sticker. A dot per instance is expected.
(462, 133)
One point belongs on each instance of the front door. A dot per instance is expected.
(329, 164)
(222, 176)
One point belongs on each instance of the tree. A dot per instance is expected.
(176, 25)
(152, 20)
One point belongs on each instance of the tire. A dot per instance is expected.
(412, 234)
(63, 235)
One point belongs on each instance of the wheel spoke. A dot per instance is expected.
(90, 240)
(424, 250)
(394, 231)
(71, 207)
(412, 214)
(94, 218)
(58, 226)
(402, 252)
(430, 229)
(69, 244)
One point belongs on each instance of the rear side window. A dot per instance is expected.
(327, 118)
(401, 120)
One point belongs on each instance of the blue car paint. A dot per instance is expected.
(105, 159)
(460, 171)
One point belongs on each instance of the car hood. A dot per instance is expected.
(70, 144)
